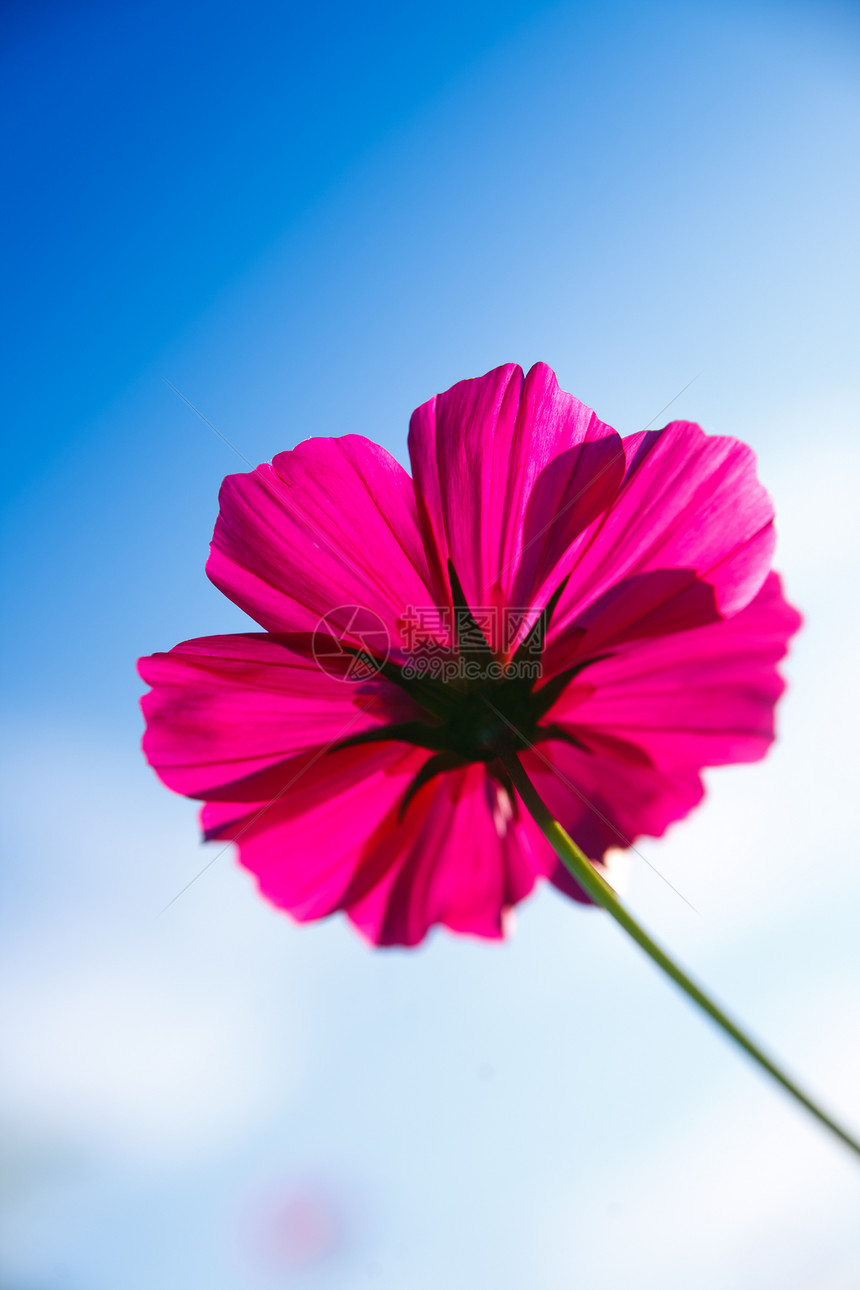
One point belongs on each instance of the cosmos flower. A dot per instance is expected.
(604, 607)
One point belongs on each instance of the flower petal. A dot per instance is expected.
(689, 516)
(308, 850)
(604, 800)
(508, 470)
(232, 716)
(459, 858)
(456, 858)
(702, 698)
(331, 523)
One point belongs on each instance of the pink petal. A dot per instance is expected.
(458, 859)
(508, 470)
(246, 722)
(455, 858)
(232, 716)
(331, 523)
(308, 850)
(688, 538)
(606, 801)
(703, 697)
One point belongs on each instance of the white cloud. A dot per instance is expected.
(754, 1196)
(115, 1057)
(128, 1034)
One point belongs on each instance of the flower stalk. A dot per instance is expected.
(596, 886)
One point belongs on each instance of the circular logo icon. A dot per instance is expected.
(351, 643)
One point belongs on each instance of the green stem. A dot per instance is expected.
(596, 886)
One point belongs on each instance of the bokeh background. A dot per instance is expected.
(308, 219)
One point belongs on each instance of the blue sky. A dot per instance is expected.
(309, 221)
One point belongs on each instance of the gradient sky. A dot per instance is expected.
(309, 220)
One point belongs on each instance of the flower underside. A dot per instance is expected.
(667, 538)
(479, 718)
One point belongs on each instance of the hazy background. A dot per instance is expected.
(309, 219)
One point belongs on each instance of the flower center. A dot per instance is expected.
(473, 706)
(474, 717)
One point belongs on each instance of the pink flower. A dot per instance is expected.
(604, 604)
